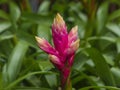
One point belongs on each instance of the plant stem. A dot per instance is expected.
(65, 79)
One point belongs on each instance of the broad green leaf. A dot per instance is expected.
(44, 7)
(116, 74)
(44, 31)
(4, 26)
(118, 45)
(109, 59)
(14, 12)
(13, 66)
(45, 65)
(114, 28)
(114, 15)
(80, 60)
(30, 39)
(44, 19)
(101, 66)
(7, 36)
(52, 80)
(102, 15)
(3, 15)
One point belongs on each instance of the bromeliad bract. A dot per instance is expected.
(63, 52)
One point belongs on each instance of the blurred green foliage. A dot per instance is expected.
(23, 66)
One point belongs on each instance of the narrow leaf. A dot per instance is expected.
(14, 64)
(25, 76)
(114, 28)
(101, 66)
(102, 14)
(14, 12)
(4, 26)
(118, 45)
(116, 74)
(101, 87)
(3, 15)
(114, 15)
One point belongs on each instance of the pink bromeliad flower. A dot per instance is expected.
(63, 52)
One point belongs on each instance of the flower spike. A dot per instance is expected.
(45, 46)
(63, 52)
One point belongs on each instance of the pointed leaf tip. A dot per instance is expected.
(54, 59)
(76, 44)
(39, 40)
(75, 29)
(58, 20)
(59, 17)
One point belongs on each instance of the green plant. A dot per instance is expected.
(24, 66)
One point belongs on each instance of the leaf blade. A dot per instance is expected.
(101, 66)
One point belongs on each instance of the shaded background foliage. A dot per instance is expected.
(24, 66)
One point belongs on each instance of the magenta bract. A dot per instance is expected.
(65, 45)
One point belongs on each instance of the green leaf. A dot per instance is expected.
(30, 39)
(13, 66)
(44, 7)
(3, 15)
(3, 1)
(102, 67)
(102, 15)
(32, 88)
(6, 36)
(118, 45)
(116, 74)
(114, 15)
(44, 19)
(80, 60)
(14, 12)
(114, 28)
(81, 76)
(45, 65)
(25, 76)
(101, 87)
(52, 80)
(44, 31)
(110, 39)
(4, 26)
(4, 75)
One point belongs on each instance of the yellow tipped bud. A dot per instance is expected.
(58, 21)
(39, 40)
(75, 45)
(74, 30)
(53, 59)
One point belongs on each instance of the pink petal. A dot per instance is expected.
(45, 46)
(73, 47)
(60, 35)
(56, 61)
(73, 35)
